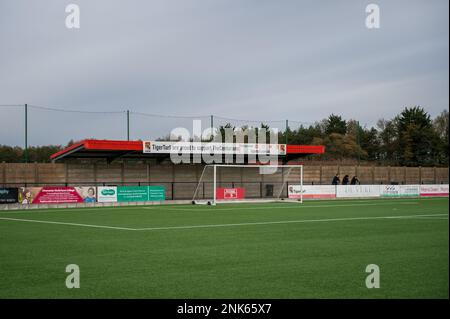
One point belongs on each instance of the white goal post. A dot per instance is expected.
(222, 183)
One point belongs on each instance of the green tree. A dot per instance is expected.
(11, 154)
(367, 139)
(371, 144)
(416, 137)
(388, 136)
(335, 124)
(222, 130)
(440, 125)
(41, 154)
(303, 135)
(340, 146)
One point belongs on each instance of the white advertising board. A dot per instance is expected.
(312, 191)
(163, 147)
(107, 194)
(399, 190)
(350, 191)
(434, 190)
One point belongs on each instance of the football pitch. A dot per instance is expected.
(319, 249)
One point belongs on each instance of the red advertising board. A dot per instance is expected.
(49, 195)
(55, 195)
(230, 193)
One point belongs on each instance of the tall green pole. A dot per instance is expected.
(286, 132)
(212, 125)
(357, 140)
(128, 125)
(26, 133)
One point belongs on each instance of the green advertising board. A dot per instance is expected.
(156, 193)
(140, 193)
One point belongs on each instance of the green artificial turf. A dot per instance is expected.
(319, 249)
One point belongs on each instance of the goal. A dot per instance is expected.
(221, 183)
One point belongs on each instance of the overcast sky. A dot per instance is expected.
(297, 60)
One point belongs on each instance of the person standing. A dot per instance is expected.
(354, 181)
(345, 180)
(336, 180)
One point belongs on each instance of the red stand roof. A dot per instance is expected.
(134, 149)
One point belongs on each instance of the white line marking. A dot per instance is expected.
(430, 217)
(50, 210)
(288, 222)
(171, 206)
(63, 223)
(225, 225)
(294, 206)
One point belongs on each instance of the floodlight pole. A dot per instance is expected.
(128, 125)
(26, 133)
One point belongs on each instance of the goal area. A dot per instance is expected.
(220, 183)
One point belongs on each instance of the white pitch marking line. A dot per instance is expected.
(33, 211)
(108, 209)
(224, 225)
(63, 223)
(289, 207)
(171, 206)
(430, 217)
(289, 222)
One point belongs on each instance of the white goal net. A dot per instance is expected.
(249, 183)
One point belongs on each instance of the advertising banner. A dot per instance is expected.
(27, 194)
(399, 190)
(162, 147)
(9, 195)
(230, 193)
(107, 194)
(312, 191)
(132, 193)
(156, 193)
(434, 190)
(140, 193)
(55, 195)
(87, 193)
(343, 191)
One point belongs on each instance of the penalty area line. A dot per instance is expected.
(226, 225)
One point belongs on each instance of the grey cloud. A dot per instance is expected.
(298, 60)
